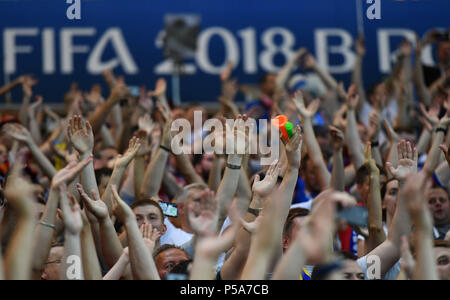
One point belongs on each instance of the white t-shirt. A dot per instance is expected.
(174, 236)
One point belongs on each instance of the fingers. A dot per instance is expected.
(390, 169)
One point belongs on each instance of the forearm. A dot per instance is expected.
(425, 264)
(117, 122)
(23, 115)
(107, 138)
(8, 87)
(424, 142)
(419, 82)
(228, 186)
(110, 243)
(326, 77)
(376, 232)
(434, 153)
(72, 256)
(116, 272)
(357, 79)
(284, 74)
(91, 264)
(138, 175)
(153, 176)
(46, 166)
(186, 169)
(18, 256)
(35, 131)
(99, 116)
(353, 140)
(315, 154)
(291, 263)
(170, 185)
(215, 173)
(116, 179)
(337, 174)
(44, 234)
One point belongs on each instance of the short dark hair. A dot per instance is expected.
(151, 201)
(166, 247)
(361, 174)
(347, 255)
(293, 213)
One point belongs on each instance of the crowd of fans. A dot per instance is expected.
(82, 190)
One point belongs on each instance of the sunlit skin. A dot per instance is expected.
(438, 203)
(53, 265)
(168, 259)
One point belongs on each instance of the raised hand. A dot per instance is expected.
(225, 75)
(294, 148)
(150, 236)
(309, 61)
(27, 84)
(407, 161)
(160, 88)
(80, 135)
(146, 123)
(70, 172)
(352, 97)
(337, 137)
(71, 212)
(203, 217)
(413, 192)
(120, 209)
(18, 132)
(369, 162)
(19, 192)
(408, 263)
(120, 91)
(265, 186)
(359, 46)
(431, 115)
(34, 106)
(127, 157)
(94, 205)
(305, 112)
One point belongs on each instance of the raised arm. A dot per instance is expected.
(120, 166)
(357, 75)
(414, 191)
(110, 244)
(72, 267)
(234, 265)
(45, 229)
(230, 180)
(142, 264)
(267, 239)
(91, 265)
(21, 134)
(352, 138)
(19, 194)
(374, 206)
(315, 153)
(154, 173)
(337, 174)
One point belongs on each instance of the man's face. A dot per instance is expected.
(444, 52)
(53, 265)
(442, 258)
(439, 206)
(106, 156)
(269, 85)
(149, 214)
(3, 154)
(390, 198)
(349, 271)
(205, 165)
(168, 259)
(297, 224)
(178, 113)
(363, 189)
(310, 177)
